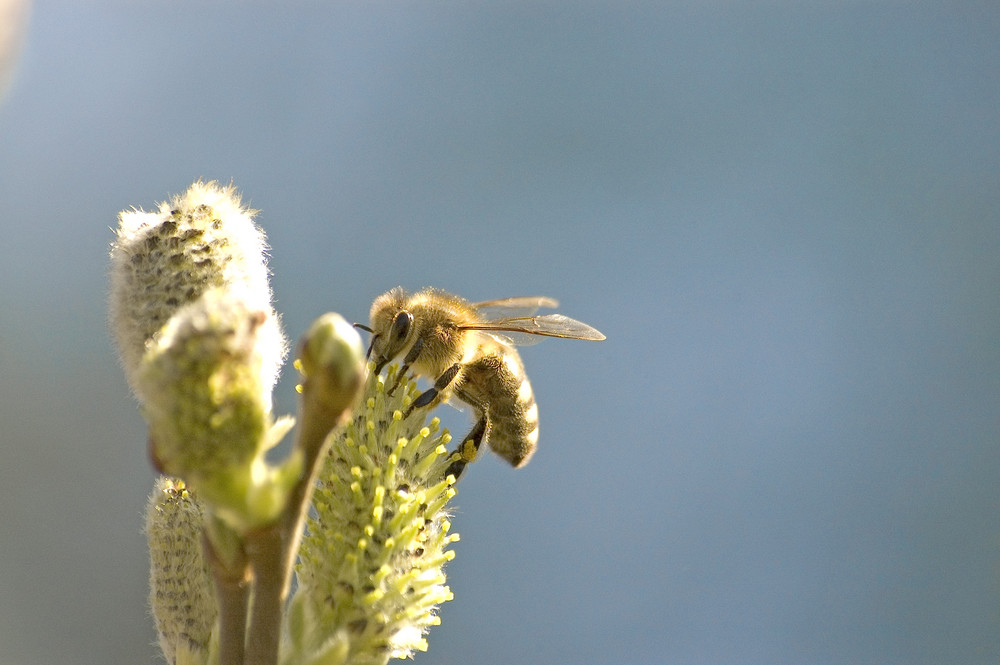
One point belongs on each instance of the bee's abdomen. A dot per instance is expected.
(495, 383)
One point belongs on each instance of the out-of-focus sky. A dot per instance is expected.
(783, 215)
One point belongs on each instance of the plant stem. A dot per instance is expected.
(266, 553)
(233, 591)
(272, 549)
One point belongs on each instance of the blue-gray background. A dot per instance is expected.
(785, 219)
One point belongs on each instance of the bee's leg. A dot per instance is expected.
(430, 394)
(468, 449)
(414, 353)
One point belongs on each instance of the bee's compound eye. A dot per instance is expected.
(401, 326)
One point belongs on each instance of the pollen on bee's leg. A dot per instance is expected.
(474, 439)
(468, 450)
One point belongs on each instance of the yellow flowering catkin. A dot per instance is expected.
(370, 574)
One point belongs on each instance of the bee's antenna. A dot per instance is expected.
(371, 345)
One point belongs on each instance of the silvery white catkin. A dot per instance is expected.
(165, 259)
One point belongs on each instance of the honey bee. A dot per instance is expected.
(467, 349)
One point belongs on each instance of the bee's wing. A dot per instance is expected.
(505, 308)
(528, 329)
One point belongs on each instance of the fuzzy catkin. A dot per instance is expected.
(182, 595)
(163, 260)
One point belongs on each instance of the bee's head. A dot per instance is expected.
(391, 327)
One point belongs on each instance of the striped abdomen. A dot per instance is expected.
(495, 384)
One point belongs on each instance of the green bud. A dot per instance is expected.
(332, 365)
(208, 405)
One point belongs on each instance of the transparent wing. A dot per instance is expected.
(524, 330)
(490, 310)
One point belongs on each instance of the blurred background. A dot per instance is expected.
(784, 217)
